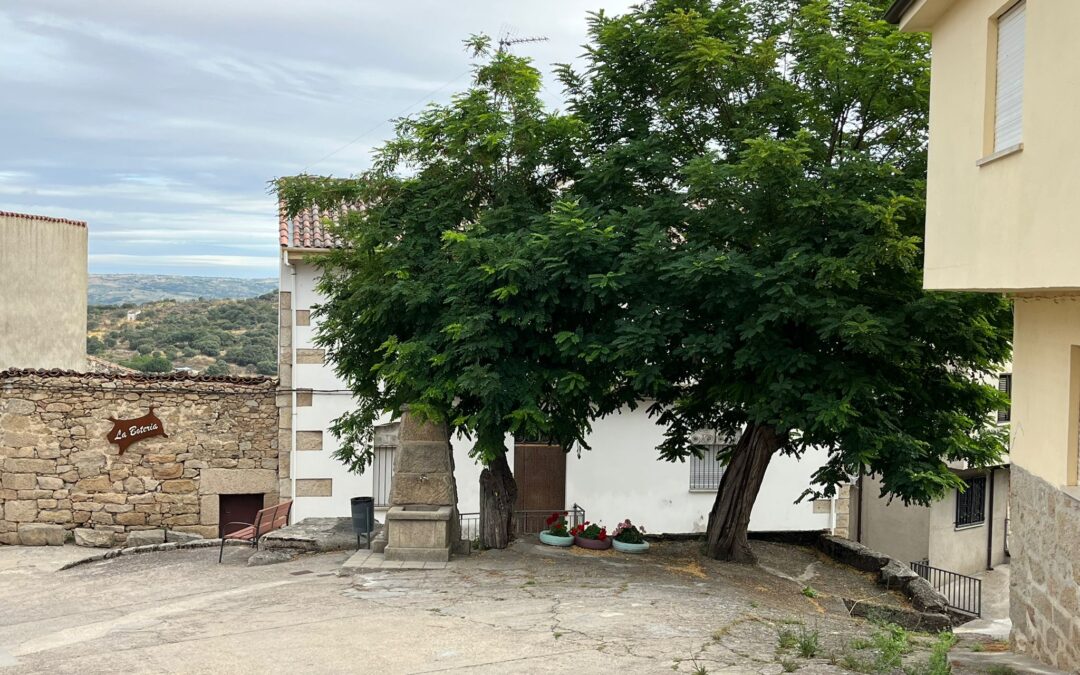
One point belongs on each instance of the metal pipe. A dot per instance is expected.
(990, 524)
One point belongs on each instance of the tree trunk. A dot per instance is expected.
(738, 490)
(498, 493)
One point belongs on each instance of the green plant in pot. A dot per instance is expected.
(629, 538)
(557, 533)
(591, 535)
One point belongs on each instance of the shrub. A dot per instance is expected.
(556, 524)
(590, 531)
(628, 533)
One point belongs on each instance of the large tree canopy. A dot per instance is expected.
(465, 291)
(764, 160)
(727, 222)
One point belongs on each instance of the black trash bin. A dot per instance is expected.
(363, 518)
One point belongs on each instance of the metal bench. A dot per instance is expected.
(267, 520)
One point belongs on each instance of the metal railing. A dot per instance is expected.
(525, 522)
(962, 593)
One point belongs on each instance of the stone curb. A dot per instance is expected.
(152, 548)
(931, 607)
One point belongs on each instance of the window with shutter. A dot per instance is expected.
(1009, 92)
(1005, 385)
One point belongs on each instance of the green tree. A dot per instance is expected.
(763, 164)
(216, 369)
(458, 294)
(150, 363)
(94, 345)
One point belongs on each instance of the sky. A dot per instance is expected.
(160, 123)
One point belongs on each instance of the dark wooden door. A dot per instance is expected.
(540, 472)
(237, 509)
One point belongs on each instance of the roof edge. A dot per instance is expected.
(49, 219)
(896, 11)
(245, 380)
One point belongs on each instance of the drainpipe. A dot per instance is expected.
(858, 508)
(990, 524)
(292, 371)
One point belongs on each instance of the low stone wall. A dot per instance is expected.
(931, 610)
(59, 472)
(1044, 541)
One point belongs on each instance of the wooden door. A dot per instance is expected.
(237, 509)
(540, 472)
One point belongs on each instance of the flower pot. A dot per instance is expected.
(555, 540)
(595, 544)
(630, 548)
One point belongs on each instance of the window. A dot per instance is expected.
(970, 503)
(383, 470)
(706, 471)
(1005, 385)
(1009, 87)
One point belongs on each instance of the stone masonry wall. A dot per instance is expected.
(1044, 541)
(58, 468)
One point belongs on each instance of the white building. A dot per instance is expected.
(621, 477)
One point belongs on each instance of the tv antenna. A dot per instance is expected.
(506, 41)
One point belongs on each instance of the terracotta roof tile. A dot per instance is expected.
(49, 219)
(257, 380)
(307, 229)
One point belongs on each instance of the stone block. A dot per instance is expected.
(423, 489)
(9, 538)
(13, 465)
(304, 398)
(309, 440)
(311, 356)
(168, 471)
(110, 498)
(20, 481)
(303, 317)
(237, 481)
(413, 428)
(145, 537)
(177, 486)
(95, 484)
(21, 511)
(41, 534)
(314, 487)
(422, 457)
(50, 483)
(93, 538)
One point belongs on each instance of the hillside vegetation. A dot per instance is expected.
(213, 337)
(116, 289)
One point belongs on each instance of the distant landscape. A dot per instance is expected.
(118, 289)
(158, 323)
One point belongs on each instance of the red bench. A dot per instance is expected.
(267, 520)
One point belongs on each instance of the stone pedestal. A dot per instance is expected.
(422, 522)
(419, 533)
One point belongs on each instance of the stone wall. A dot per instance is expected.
(1044, 541)
(58, 468)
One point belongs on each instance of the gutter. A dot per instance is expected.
(292, 371)
(897, 10)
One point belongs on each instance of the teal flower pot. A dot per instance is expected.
(630, 548)
(554, 540)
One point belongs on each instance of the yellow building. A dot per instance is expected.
(1003, 204)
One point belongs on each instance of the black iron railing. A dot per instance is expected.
(525, 522)
(963, 593)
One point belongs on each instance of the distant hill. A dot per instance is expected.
(118, 289)
(212, 337)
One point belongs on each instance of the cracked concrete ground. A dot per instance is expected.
(528, 609)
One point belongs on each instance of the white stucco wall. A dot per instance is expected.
(620, 477)
(43, 283)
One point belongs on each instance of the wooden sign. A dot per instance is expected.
(126, 432)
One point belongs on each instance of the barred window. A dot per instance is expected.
(382, 469)
(706, 471)
(970, 504)
(1005, 385)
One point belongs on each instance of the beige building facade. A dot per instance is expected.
(43, 284)
(1002, 206)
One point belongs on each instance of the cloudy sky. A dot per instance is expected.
(160, 123)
